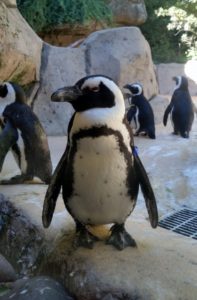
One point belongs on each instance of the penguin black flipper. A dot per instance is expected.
(8, 137)
(55, 185)
(146, 189)
(166, 113)
(131, 113)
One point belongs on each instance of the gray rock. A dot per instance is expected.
(37, 288)
(121, 53)
(163, 266)
(20, 241)
(128, 12)
(60, 67)
(7, 272)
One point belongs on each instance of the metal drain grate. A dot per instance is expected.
(183, 222)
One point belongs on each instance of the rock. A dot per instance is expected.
(7, 272)
(20, 241)
(126, 57)
(37, 288)
(121, 53)
(148, 272)
(10, 3)
(164, 264)
(128, 12)
(60, 67)
(20, 47)
(165, 72)
(159, 104)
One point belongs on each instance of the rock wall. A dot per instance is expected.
(165, 72)
(121, 53)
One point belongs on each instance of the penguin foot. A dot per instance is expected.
(18, 179)
(84, 238)
(120, 238)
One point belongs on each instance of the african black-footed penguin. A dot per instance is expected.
(100, 171)
(23, 134)
(140, 111)
(181, 108)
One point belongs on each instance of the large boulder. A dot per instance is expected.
(60, 67)
(37, 288)
(128, 12)
(20, 241)
(124, 55)
(20, 47)
(121, 53)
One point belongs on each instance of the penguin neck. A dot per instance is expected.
(99, 117)
(20, 96)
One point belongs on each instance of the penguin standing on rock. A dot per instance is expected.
(181, 108)
(22, 133)
(100, 171)
(140, 111)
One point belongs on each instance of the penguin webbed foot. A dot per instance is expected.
(18, 179)
(83, 237)
(120, 238)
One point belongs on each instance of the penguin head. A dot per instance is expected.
(95, 91)
(134, 88)
(181, 82)
(11, 92)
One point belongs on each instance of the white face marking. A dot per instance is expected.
(8, 99)
(111, 117)
(100, 192)
(94, 82)
(139, 87)
(179, 83)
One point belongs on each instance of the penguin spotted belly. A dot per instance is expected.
(100, 171)
(100, 194)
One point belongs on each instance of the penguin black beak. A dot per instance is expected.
(66, 94)
(174, 78)
(127, 86)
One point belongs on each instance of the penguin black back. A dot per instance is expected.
(180, 108)
(143, 113)
(34, 159)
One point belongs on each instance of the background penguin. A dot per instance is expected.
(140, 111)
(100, 171)
(181, 108)
(30, 145)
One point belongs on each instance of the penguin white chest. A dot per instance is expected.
(100, 191)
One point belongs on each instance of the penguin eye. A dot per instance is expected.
(95, 89)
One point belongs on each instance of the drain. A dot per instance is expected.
(182, 222)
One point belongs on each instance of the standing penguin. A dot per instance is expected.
(100, 171)
(24, 135)
(181, 108)
(140, 111)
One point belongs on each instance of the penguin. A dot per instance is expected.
(181, 108)
(22, 132)
(100, 171)
(140, 111)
